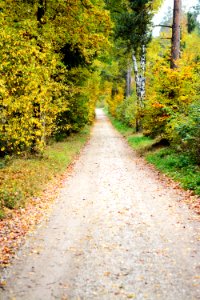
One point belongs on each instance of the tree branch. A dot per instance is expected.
(160, 25)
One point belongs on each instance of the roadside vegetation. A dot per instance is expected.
(178, 165)
(22, 178)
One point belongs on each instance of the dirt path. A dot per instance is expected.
(116, 232)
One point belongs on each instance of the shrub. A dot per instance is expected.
(185, 131)
(127, 111)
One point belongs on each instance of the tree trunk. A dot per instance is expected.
(137, 79)
(41, 10)
(175, 49)
(128, 81)
(140, 86)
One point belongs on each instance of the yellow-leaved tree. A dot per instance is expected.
(47, 50)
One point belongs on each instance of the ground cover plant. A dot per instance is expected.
(23, 178)
(180, 166)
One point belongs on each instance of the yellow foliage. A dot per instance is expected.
(169, 92)
(36, 89)
(115, 100)
(26, 93)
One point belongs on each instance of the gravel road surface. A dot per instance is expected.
(115, 232)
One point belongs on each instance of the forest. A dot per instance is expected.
(60, 59)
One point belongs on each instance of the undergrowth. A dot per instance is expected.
(23, 178)
(140, 142)
(121, 127)
(136, 141)
(177, 165)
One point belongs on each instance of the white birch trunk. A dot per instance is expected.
(140, 78)
(128, 81)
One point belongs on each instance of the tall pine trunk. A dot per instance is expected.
(175, 49)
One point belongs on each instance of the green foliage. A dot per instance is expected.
(178, 166)
(140, 142)
(132, 19)
(181, 166)
(136, 141)
(123, 128)
(187, 132)
(127, 111)
(11, 197)
(192, 22)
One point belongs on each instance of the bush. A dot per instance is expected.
(127, 111)
(185, 132)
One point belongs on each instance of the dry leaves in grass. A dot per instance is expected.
(187, 196)
(21, 221)
(194, 203)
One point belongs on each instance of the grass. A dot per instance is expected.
(21, 179)
(177, 165)
(121, 127)
(136, 141)
(140, 142)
